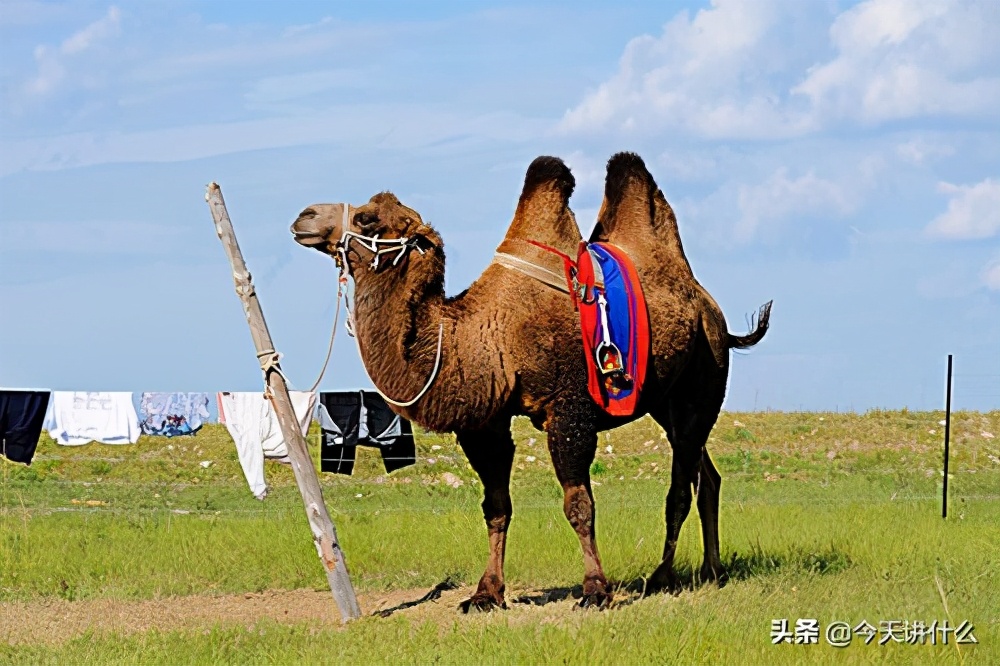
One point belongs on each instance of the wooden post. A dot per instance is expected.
(324, 533)
(947, 438)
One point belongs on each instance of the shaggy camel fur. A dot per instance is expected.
(511, 345)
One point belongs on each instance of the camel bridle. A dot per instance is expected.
(401, 246)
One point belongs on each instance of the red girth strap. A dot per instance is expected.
(568, 265)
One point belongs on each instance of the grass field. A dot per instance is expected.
(824, 516)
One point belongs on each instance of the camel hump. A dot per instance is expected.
(633, 205)
(635, 215)
(548, 171)
(623, 168)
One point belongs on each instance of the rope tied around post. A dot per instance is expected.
(244, 285)
(270, 362)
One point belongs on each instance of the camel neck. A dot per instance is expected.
(396, 324)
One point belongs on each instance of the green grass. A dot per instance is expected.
(832, 516)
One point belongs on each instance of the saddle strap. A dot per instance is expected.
(551, 278)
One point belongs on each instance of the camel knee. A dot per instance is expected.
(498, 523)
(497, 517)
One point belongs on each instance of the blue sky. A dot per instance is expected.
(842, 158)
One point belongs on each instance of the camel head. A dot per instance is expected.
(373, 237)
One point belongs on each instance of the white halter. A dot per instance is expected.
(371, 243)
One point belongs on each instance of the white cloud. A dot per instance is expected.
(771, 69)
(973, 211)
(413, 126)
(780, 197)
(714, 74)
(295, 87)
(588, 172)
(52, 62)
(919, 150)
(97, 31)
(991, 275)
(902, 59)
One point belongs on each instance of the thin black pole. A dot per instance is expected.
(947, 437)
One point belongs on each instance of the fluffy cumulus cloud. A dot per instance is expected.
(54, 62)
(973, 211)
(782, 196)
(717, 74)
(899, 59)
(772, 69)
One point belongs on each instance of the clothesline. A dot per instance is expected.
(75, 418)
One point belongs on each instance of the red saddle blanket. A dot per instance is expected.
(614, 322)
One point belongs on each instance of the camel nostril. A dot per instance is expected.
(317, 224)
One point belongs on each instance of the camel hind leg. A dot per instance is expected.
(491, 454)
(688, 426)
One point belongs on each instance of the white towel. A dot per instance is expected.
(253, 425)
(81, 417)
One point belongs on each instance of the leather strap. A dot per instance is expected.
(544, 275)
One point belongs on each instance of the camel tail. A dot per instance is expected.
(757, 331)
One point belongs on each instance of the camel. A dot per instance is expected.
(510, 345)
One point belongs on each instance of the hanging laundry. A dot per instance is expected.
(362, 418)
(22, 413)
(80, 417)
(172, 414)
(253, 425)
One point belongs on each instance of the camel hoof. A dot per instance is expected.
(598, 600)
(481, 603)
(715, 575)
(664, 580)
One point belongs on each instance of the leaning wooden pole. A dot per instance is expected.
(324, 533)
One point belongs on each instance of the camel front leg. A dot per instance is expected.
(573, 450)
(491, 454)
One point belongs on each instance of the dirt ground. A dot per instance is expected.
(56, 621)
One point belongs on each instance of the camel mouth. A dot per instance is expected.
(319, 226)
(308, 238)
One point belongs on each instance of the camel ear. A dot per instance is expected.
(423, 243)
(546, 172)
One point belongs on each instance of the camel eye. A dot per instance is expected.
(367, 221)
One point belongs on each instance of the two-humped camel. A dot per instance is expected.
(510, 345)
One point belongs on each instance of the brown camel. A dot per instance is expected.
(510, 344)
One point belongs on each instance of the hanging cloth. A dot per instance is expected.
(80, 417)
(253, 425)
(21, 416)
(362, 418)
(172, 414)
